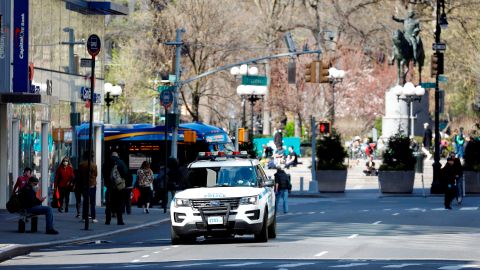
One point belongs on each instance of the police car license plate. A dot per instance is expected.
(215, 220)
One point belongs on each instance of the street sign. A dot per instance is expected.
(254, 80)
(442, 78)
(439, 46)
(172, 78)
(162, 88)
(85, 95)
(85, 62)
(93, 45)
(428, 84)
(166, 98)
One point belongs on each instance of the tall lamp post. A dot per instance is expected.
(336, 76)
(250, 92)
(409, 93)
(441, 22)
(111, 95)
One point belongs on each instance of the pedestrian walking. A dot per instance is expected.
(278, 139)
(89, 181)
(114, 174)
(448, 179)
(427, 140)
(282, 188)
(145, 182)
(22, 180)
(33, 205)
(78, 191)
(64, 182)
(459, 143)
(457, 166)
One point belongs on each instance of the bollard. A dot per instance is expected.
(301, 184)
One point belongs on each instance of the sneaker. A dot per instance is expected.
(60, 210)
(94, 220)
(77, 216)
(51, 231)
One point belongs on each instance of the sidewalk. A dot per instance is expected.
(71, 229)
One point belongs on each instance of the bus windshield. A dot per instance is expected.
(222, 177)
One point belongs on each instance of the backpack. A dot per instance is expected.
(459, 139)
(284, 181)
(13, 205)
(117, 180)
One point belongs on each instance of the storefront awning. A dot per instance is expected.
(96, 7)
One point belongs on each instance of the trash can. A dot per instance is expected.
(418, 162)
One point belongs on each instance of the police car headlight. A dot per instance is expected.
(249, 200)
(182, 202)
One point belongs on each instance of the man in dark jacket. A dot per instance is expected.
(114, 196)
(33, 205)
(448, 173)
(282, 188)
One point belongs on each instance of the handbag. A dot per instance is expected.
(55, 199)
(13, 204)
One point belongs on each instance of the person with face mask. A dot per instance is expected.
(64, 182)
(33, 205)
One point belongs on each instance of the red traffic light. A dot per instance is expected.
(324, 128)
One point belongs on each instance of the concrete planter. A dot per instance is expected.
(332, 180)
(396, 181)
(472, 181)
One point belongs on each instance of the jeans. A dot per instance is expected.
(43, 210)
(460, 151)
(91, 196)
(282, 193)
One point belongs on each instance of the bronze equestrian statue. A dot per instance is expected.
(407, 46)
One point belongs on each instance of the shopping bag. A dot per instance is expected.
(55, 199)
(135, 195)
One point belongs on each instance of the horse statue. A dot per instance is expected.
(403, 54)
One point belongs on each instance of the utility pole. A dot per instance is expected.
(178, 43)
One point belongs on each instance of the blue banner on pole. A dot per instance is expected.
(5, 62)
(20, 46)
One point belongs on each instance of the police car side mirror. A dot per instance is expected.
(268, 183)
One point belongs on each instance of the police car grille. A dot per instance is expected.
(216, 203)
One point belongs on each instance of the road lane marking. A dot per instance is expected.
(348, 265)
(387, 209)
(135, 261)
(322, 212)
(458, 267)
(469, 208)
(321, 254)
(416, 209)
(365, 210)
(438, 209)
(145, 256)
(401, 265)
(395, 214)
(188, 265)
(76, 267)
(241, 264)
(353, 236)
(156, 252)
(376, 222)
(292, 265)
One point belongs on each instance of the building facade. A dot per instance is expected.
(44, 88)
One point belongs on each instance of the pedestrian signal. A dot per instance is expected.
(242, 135)
(324, 128)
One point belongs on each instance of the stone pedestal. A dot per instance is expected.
(396, 115)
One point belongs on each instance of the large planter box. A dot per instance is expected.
(332, 180)
(396, 181)
(472, 181)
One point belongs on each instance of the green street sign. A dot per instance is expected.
(442, 78)
(428, 84)
(254, 80)
(162, 88)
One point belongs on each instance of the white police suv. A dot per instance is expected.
(225, 196)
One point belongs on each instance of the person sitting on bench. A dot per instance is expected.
(33, 205)
(292, 158)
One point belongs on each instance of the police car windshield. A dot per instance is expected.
(222, 176)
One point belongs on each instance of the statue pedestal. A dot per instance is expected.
(396, 115)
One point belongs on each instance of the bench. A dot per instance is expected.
(24, 218)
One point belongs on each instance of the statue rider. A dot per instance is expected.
(411, 27)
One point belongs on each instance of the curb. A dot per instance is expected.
(14, 250)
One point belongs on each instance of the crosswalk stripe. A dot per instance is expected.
(458, 267)
(348, 265)
(401, 265)
(468, 208)
(321, 254)
(292, 265)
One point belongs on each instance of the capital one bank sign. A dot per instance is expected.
(20, 46)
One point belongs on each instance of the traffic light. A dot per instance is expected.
(324, 73)
(436, 67)
(324, 127)
(310, 73)
(242, 135)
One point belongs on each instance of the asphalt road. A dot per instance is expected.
(318, 233)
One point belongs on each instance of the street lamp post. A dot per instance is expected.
(111, 95)
(409, 93)
(336, 76)
(250, 92)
